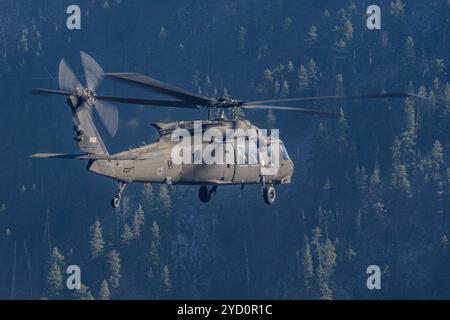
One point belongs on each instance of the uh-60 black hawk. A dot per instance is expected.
(153, 163)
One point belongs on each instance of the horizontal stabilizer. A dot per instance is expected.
(85, 156)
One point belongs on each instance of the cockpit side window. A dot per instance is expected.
(283, 151)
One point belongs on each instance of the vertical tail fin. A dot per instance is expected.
(87, 136)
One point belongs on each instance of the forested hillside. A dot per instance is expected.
(370, 188)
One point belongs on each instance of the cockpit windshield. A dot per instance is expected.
(283, 152)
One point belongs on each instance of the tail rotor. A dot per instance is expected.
(85, 97)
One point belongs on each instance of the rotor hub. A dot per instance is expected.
(224, 103)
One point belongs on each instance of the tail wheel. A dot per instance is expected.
(204, 194)
(269, 194)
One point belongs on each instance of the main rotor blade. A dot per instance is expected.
(67, 79)
(51, 91)
(148, 102)
(92, 71)
(108, 115)
(351, 97)
(162, 87)
(317, 113)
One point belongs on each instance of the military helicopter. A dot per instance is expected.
(153, 163)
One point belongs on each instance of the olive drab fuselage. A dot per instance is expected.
(153, 163)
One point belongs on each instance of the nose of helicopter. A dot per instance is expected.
(286, 171)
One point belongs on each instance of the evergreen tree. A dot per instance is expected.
(154, 255)
(348, 30)
(312, 34)
(286, 25)
(148, 198)
(276, 88)
(241, 37)
(303, 79)
(54, 281)
(127, 235)
(138, 221)
(165, 280)
(410, 51)
(164, 197)
(97, 243)
(270, 119)
(114, 268)
(290, 66)
(103, 293)
(163, 33)
(397, 8)
(308, 269)
(400, 181)
(439, 67)
(339, 85)
(313, 72)
(57, 257)
(285, 89)
(83, 293)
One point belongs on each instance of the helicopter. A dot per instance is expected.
(154, 163)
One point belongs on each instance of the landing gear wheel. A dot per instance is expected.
(115, 202)
(204, 194)
(269, 194)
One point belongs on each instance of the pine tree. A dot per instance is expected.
(270, 119)
(164, 197)
(375, 192)
(148, 198)
(114, 268)
(97, 243)
(400, 181)
(276, 88)
(54, 281)
(57, 257)
(348, 30)
(313, 72)
(410, 51)
(127, 235)
(439, 67)
(308, 269)
(104, 293)
(154, 255)
(138, 221)
(163, 33)
(83, 293)
(268, 75)
(165, 280)
(339, 84)
(290, 66)
(286, 25)
(303, 79)
(241, 37)
(312, 34)
(285, 89)
(397, 8)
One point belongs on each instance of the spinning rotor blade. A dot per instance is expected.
(149, 102)
(67, 79)
(327, 98)
(94, 74)
(108, 115)
(162, 87)
(51, 91)
(92, 71)
(316, 113)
